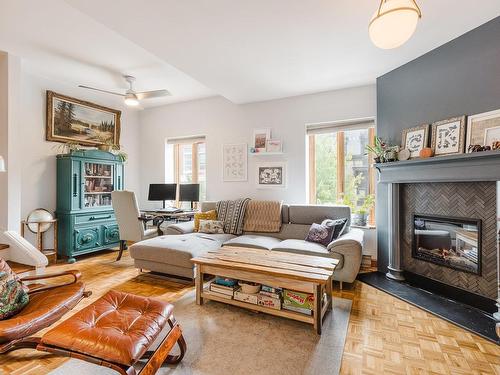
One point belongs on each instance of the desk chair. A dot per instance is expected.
(130, 225)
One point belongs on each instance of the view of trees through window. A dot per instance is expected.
(188, 166)
(340, 171)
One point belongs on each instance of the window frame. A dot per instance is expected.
(178, 161)
(340, 140)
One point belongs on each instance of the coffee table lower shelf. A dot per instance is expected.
(250, 306)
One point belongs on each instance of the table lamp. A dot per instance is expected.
(2, 164)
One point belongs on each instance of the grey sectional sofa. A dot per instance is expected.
(171, 253)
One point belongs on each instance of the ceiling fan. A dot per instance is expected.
(131, 96)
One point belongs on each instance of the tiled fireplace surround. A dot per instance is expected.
(465, 186)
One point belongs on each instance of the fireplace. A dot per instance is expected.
(448, 241)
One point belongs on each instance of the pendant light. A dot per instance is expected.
(394, 23)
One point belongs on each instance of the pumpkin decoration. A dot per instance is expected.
(426, 152)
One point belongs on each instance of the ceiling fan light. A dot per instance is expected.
(131, 100)
(394, 23)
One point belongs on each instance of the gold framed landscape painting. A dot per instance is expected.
(74, 120)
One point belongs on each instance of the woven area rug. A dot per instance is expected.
(225, 339)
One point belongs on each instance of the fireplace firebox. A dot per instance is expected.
(448, 241)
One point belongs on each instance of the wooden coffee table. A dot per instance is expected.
(303, 273)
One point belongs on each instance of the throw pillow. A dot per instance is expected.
(339, 226)
(13, 294)
(208, 215)
(211, 226)
(320, 233)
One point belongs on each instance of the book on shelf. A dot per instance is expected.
(271, 289)
(225, 281)
(301, 310)
(222, 289)
(270, 294)
(217, 294)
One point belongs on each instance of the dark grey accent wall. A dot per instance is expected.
(460, 77)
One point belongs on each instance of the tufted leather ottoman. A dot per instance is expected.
(116, 331)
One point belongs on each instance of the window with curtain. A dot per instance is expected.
(339, 169)
(186, 163)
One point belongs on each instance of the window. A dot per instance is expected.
(339, 169)
(186, 163)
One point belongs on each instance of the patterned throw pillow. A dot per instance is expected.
(339, 226)
(209, 215)
(211, 226)
(13, 294)
(320, 233)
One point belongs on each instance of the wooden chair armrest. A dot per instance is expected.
(75, 273)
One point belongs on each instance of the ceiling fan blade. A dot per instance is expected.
(101, 90)
(152, 94)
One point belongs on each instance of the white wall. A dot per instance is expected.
(224, 122)
(36, 156)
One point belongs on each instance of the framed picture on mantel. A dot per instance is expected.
(415, 139)
(448, 136)
(483, 129)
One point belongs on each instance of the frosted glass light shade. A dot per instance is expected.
(394, 23)
(2, 164)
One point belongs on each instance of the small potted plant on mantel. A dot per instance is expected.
(381, 151)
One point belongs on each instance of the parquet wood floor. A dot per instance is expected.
(385, 335)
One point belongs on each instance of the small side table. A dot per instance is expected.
(51, 254)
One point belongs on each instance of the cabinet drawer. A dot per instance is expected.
(110, 234)
(87, 238)
(94, 218)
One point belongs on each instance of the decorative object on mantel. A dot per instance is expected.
(271, 175)
(235, 162)
(426, 152)
(478, 148)
(2, 164)
(448, 136)
(394, 23)
(404, 154)
(382, 151)
(260, 137)
(274, 146)
(415, 139)
(483, 129)
(38, 222)
(88, 124)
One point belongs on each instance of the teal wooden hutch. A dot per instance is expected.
(87, 223)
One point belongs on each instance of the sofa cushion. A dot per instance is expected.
(177, 249)
(307, 248)
(308, 214)
(253, 241)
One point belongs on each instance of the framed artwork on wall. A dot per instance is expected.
(273, 145)
(74, 120)
(415, 139)
(235, 162)
(260, 137)
(271, 175)
(448, 136)
(483, 129)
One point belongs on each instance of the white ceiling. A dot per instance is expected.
(58, 41)
(243, 50)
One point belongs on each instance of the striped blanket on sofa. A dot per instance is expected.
(232, 213)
